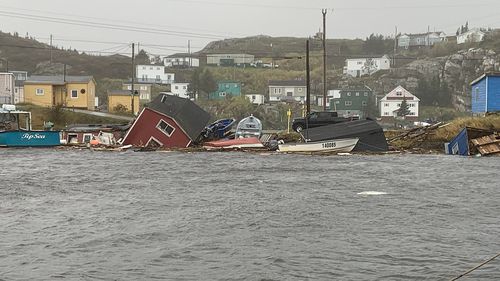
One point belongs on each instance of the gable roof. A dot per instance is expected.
(393, 95)
(57, 80)
(186, 113)
(489, 74)
(296, 83)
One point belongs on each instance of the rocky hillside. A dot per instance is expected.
(30, 55)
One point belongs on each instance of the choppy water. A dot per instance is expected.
(82, 215)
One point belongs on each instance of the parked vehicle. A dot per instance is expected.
(317, 119)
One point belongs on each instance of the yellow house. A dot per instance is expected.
(121, 101)
(68, 91)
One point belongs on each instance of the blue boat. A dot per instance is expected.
(13, 134)
(219, 129)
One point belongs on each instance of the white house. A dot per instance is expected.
(7, 85)
(391, 103)
(366, 66)
(407, 41)
(153, 74)
(256, 99)
(181, 61)
(180, 90)
(287, 90)
(473, 35)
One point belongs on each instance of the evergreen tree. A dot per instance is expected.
(404, 109)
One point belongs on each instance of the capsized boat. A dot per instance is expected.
(218, 129)
(370, 134)
(13, 134)
(249, 127)
(249, 142)
(334, 145)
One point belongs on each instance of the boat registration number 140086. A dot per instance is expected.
(329, 145)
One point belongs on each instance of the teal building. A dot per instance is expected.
(226, 89)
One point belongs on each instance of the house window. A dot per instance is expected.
(348, 103)
(74, 94)
(300, 89)
(399, 93)
(476, 90)
(363, 103)
(15, 90)
(154, 143)
(40, 92)
(143, 67)
(143, 88)
(158, 77)
(222, 94)
(184, 87)
(386, 113)
(129, 87)
(227, 86)
(150, 68)
(157, 68)
(357, 94)
(87, 138)
(366, 94)
(169, 77)
(289, 94)
(165, 128)
(177, 87)
(348, 94)
(386, 104)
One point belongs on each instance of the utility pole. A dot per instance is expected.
(133, 76)
(308, 91)
(324, 59)
(50, 48)
(395, 47)
(308, 82)
(189, 53)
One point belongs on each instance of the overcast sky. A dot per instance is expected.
(169, 24)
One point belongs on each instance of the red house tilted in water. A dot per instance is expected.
(168, 121)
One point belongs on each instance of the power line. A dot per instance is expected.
(135, 23)
(109, 26)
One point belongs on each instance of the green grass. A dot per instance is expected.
(62, 118)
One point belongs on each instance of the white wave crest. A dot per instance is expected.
(372, 193)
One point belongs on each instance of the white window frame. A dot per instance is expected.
(348, 103)
(40, 92)
(86, 135)
(71, 94)
(154, 139)
(161, 130)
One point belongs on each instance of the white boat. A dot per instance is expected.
(334, 145)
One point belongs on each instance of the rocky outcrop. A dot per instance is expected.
(457, 71)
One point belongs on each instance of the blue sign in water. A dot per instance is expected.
(29, 138)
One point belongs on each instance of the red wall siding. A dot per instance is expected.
(145, 128)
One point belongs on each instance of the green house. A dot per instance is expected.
(352, 101)
(226, 89)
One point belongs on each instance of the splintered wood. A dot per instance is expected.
(488, 145)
